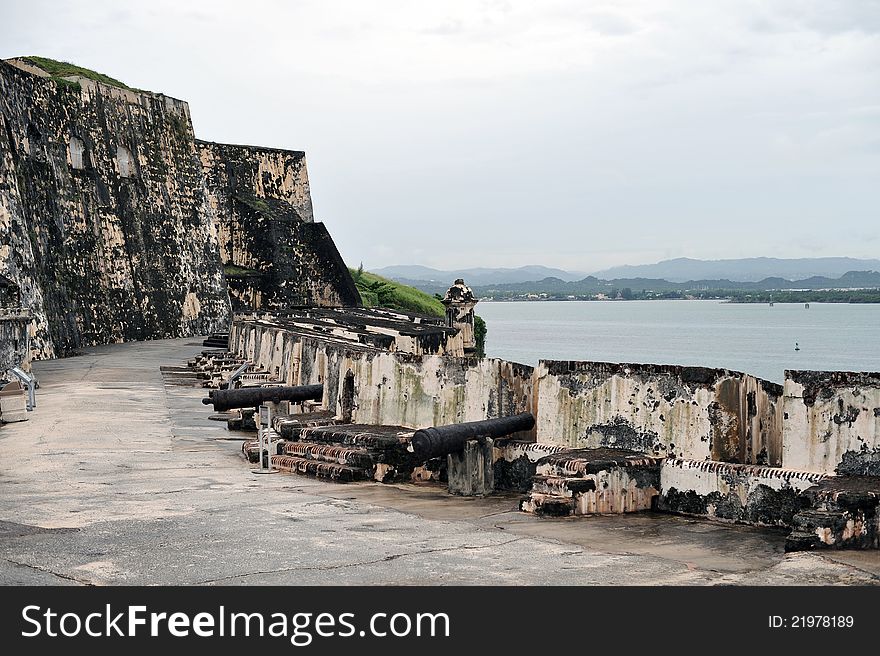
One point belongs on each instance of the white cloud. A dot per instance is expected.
(508, 133)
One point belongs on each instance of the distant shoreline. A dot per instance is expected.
(720, 299)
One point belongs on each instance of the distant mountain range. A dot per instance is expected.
(593, 285)
(757, 273)
(475, 276)
(752, 269)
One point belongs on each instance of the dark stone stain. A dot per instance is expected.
(772, 507)
(645, 476)
(723, 444)
(824, 384)
(845, 416)
(16, 530)
(764, 505)
(514, 474)
(580, 485)
(688, 502)
(619, 433)
(864, 463)
(751, 405)
(761, 457)
(555, 508)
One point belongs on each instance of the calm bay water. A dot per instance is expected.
(754, 338)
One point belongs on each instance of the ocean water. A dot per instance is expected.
(754, 338)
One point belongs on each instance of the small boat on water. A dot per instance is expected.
(797, 347)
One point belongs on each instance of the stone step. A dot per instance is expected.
(251, 450)
(340, 455)
(547, 505)
(584, 496)
(562, 486)
(288, 425)
(332, 471)
(372, 452)
(814, 528)
(175, 369)
(593, 481)
(584, 462)
(179, 376)
(839, 512)
(372, 437)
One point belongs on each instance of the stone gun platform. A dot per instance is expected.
(593, 481)
(478, 458)
(119, 478)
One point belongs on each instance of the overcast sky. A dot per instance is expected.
(503, 133)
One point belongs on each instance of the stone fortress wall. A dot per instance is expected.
(117, 224)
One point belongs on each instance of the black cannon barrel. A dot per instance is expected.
(251, 397)
(442, 440)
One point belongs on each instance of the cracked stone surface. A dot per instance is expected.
(120, 479)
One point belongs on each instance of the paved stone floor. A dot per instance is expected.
(119, 479)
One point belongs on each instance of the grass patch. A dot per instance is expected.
(377, 291)
(59, 70)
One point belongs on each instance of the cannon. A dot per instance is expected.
(251, 397)
(440, 441)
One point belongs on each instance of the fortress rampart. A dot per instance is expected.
(117, 224)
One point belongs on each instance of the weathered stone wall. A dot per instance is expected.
(274, 255)
(396, 388)
(103, 214)
(295, 358)
(110, 212)
(669, 411)
(767, 496)
(292, 346)
(253, 172)
(829, 424)
(832, 422)
(661, 410)
(392, 388)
